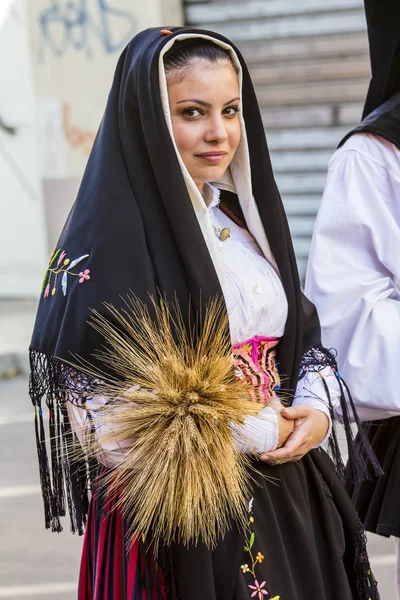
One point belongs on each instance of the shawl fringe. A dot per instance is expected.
(362, 463)
(366, 583)
(65, 476)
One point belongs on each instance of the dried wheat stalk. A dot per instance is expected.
(182, 479)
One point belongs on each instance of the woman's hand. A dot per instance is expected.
(310, 427)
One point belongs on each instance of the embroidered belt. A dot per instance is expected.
(255, 362)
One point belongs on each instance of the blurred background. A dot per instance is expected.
(310, 65)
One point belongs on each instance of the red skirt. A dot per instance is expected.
(111, 568)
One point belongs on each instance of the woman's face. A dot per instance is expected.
(204, 104)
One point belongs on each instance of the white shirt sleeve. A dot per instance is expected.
(311, 391)
(258, 434)
(84, 419)
(353, 272)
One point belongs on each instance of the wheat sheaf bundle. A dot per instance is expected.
(181, 478)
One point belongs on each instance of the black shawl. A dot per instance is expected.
(134, 219)
(383, 22)
(383, 122)
(133, 229)
(381, 114)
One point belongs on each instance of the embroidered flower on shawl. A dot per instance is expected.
(84, 275)
(245, 568)
(61, 267)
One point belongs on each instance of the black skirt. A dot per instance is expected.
(304, 541)
(304, 530)
(377, 500)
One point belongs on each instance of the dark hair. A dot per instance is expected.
(182, 52)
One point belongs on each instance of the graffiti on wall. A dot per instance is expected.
(76, 136)
(76, 24)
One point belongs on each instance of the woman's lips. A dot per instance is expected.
(212, 158)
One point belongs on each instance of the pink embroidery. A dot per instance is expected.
(84, 276)
(255, 363)
(258, 589)
(62, 256)
(61, 267)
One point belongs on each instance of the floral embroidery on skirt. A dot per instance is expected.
(257, 589)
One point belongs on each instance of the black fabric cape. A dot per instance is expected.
(383, 19)
(383, 122)
(134, 220)
(381, 114)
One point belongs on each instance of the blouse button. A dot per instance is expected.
(257, 288)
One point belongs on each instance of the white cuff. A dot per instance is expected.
(84, 419)
(258, 434)
(311, 391)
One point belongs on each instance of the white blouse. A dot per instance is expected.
(257, 305)
(253, 292)
(354, 271)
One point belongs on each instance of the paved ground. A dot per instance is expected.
(16, 324)
(35, 563)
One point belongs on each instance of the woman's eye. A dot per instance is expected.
(191, 113)
(230, 111)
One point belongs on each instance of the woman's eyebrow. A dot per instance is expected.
(207, 104)
(201, 102)
(230, 101)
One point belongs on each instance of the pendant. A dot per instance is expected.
(225, 234)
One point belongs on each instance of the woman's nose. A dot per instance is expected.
(216, 130)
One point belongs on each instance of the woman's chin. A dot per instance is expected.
(211, 174)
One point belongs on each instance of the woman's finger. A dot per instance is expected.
(290, 451)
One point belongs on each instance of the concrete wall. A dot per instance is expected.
(22, 232)
(75, 45)
(57, 59)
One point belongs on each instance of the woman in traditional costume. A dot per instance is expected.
(168, 307)
(354, 272)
